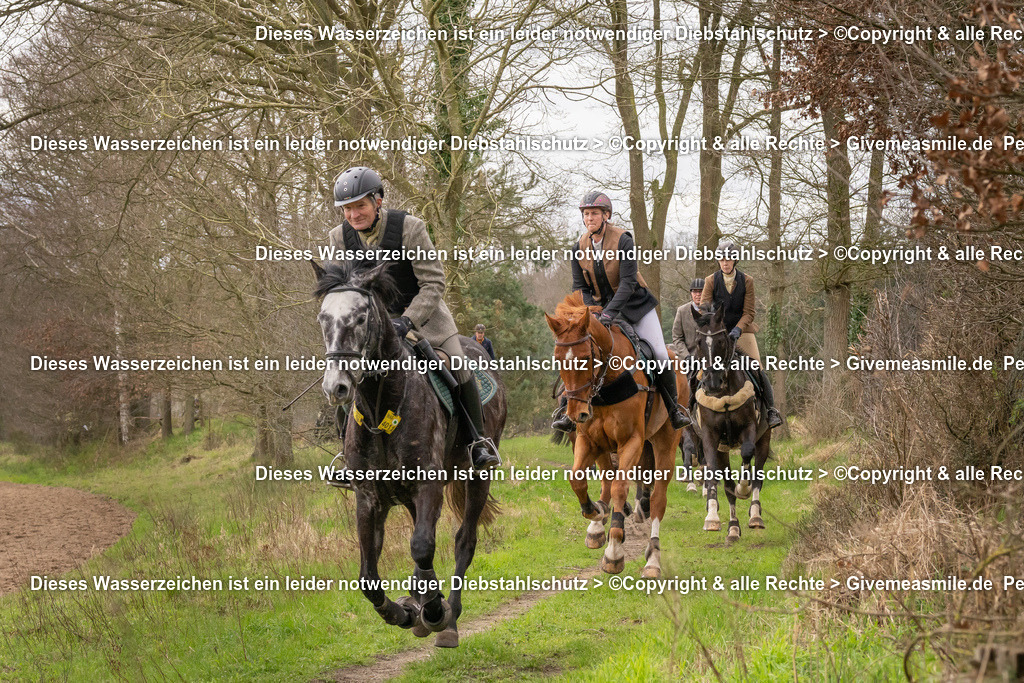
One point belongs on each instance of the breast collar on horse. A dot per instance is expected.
(723, 404)
(374, 331)
(596, 378)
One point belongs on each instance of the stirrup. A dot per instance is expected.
(493, 458)
(562, 424)
(686, 421)
(335, 480)
(773, 416)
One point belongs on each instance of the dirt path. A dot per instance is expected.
(389, 666)
(50, 530)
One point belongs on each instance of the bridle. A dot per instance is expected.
(725, 361)
(596, 378)
(374, 338)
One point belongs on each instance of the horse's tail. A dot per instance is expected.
(559, 438)
(455, 492)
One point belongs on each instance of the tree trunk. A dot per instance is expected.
(273, 436)
(711, 180)
(836, 282)
(189, 419)
(166, 428)
(873, 219)
(777, 270)
(124, 409)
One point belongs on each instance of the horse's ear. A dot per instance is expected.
(718, 316)
(317, 269)
(557, 325)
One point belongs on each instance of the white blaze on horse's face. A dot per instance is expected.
(343, 320)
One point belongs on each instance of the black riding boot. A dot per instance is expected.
(482, 450)
(666, 382)
(563, 422)
(768, 395)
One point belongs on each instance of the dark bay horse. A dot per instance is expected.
(401, 428)
(726, 417)
(605, 429)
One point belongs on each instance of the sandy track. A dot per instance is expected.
(50, 530)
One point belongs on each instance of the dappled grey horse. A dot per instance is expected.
(396, 424)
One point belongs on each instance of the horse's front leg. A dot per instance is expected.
(760, 457)
(370, 518)
(614, 559)
(712, 473)
(435, 613)
(583, 458)
(741, 489)
(689, 450)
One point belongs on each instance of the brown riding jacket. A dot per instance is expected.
(746, 323)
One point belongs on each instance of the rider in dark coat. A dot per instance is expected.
(606, 275)
(359, 191)
(733, 289)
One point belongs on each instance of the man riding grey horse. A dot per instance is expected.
(419, 275)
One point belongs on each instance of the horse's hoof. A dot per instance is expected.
(447, 638)
(595, 541)
(638, 514)
(743, 490)
(734, 532)
(651, 572)
(613, 566)
(442, 623)
(756, 523)
(412, 608)
(691, 488)
(421, 631)
(712, 526)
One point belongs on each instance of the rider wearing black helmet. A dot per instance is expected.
(606, 274)
(733, 290)
(359, 192)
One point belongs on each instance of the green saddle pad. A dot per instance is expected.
(484, 382)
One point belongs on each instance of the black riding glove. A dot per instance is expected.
(735, 333)
(402, 325)
(605, 318)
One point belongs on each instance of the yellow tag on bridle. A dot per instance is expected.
(357, 415)
(389, 422)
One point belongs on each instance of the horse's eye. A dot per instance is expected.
(361, 320)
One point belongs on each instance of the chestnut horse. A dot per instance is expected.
(596, 354)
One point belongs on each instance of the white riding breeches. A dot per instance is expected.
(649, 329)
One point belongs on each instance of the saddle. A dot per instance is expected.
(641, 346)
(485, 383)
(624, 386)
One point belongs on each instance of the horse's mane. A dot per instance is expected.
(573, 307)
(371, 276)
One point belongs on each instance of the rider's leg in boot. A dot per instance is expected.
(666, 381)
(774, 419)
(563, 422)
(481, 450)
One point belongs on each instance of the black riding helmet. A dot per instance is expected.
(356, 183)
(596, 200)
(697, 285)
